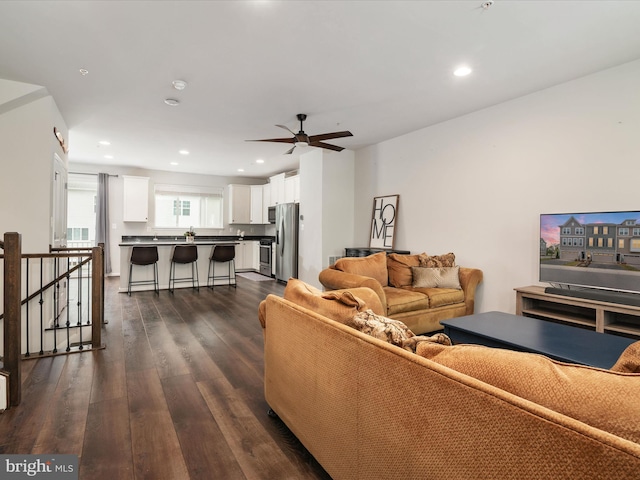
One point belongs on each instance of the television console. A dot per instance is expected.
(601, 316)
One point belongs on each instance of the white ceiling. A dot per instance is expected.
(377, 68)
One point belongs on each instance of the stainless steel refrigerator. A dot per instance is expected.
(286, 241)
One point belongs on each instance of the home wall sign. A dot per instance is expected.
(383, 221)
(60, 140)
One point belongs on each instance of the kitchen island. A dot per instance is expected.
(247, 259)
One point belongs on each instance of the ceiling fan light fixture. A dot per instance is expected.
(172, 102)
(301, 144)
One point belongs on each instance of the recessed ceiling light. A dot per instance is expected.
(174, 163)
(109, 157)
(104, 142)
(171, 102)
(462, 71)
(241, 169)
(83, 71)
(259, 160)
(179, 84)
(183, 152)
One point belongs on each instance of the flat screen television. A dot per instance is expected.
(591, 252)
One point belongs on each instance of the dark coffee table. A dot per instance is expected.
(526, 334)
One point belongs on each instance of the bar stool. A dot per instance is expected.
(184, 254)
(222, 254)
(144, 256)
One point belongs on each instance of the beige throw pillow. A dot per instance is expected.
(443, 277)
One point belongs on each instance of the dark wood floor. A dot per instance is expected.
(177, 394)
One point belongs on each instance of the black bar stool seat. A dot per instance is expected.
(185, 255)
(222, 254)
(144, 256)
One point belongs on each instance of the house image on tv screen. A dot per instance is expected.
(599, 241)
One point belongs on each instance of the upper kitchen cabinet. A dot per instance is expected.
(239, 204)
(256, 204)
(292, 189)
(277, 189)
(266, 202)
(136, 199)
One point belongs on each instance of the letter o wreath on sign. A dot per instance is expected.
(383, 221)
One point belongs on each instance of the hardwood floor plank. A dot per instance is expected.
(106, 454)
(153, 437)
(64, 425)
(204, 446)
(256, 452)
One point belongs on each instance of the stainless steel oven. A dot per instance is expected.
(265, 257)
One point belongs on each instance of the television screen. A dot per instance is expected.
(599, 250)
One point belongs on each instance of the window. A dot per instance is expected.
(579, 230)
(620, 243)
(77, 234)
(185, 206)
(605, 230)
(595, 230)
(609, 242)
(591, 241)
(566, 231)
(623, 231)
(636, 232)
(600, 242)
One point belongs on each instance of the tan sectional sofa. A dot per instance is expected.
(367, 409)
(392, 279)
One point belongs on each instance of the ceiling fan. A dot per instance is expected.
(301, 139)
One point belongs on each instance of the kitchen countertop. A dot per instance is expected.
(168, 240)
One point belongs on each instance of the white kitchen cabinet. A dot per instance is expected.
(135, 199)
(292, 189)
(239, 204)
(266, 202)
(248, 255)
(277, 189)
(256, 204)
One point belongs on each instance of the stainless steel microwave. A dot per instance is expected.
(272, 214)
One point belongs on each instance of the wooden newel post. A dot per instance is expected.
(97, 293)
(12, 317)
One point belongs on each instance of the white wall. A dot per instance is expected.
(476, 185)
(158, 176)
(28, 115)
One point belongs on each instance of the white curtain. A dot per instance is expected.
(102, 218)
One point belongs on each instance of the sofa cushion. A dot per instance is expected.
(442, 277)
(399, 267)
(434, 261)
(600, 398)
(440, 297)
(400, 300)
(629, 361)
(374, 266)
(339, 306)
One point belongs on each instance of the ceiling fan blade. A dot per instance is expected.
(329, 136)
(278, 140)
(328, 146)
(286, 128)
(289, 152)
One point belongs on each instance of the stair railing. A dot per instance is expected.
(47, 307)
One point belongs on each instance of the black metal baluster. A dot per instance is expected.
(28, 354)
(80, 307)
(89, 280)
(56, 293)
(41, 302)
(56, 324)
